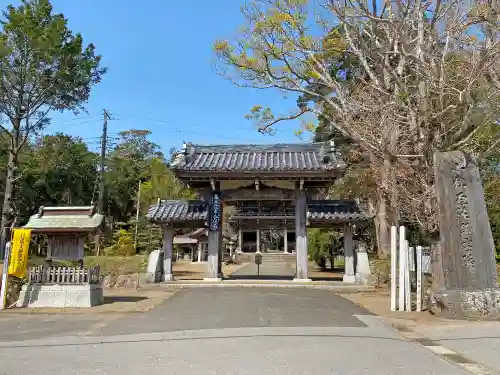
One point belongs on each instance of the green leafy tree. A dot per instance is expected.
(56, 170)
(162, 184)
(127, 165)
(323, 245)
(44, 67)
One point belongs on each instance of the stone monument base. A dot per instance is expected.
(474, 304)
(60, 295)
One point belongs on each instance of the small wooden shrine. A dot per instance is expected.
(52, 285)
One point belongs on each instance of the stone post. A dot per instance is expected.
(349, 275)
(363, 272)
(240, 240)
(301, 235)
(214, 234)
(168, 243)
(200, 246)
(285, 241)
(467, 248)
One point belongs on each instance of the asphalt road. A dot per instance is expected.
(222, 331)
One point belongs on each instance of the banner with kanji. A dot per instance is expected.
(19, 252)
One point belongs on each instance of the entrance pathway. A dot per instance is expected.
(237, 331)
(220, 308)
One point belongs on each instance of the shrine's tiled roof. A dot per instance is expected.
(178, 211)
(305, 157)
(335, 211)
(72, 219)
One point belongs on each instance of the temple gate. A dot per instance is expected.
(271, 186)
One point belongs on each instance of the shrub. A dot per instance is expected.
(123, 244)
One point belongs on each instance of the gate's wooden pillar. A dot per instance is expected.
(214, 233)
(349, 275)
(301, 234)
(258, 241)
(168, 239)
(285, 240)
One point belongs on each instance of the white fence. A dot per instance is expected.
(406, 259)
(64, 275)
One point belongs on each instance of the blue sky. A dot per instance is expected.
(159, 55)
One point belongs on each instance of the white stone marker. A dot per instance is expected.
(3, 291)
(402, 256)
(154, 269)
(409, 253)
(419, 278)
(394, 266)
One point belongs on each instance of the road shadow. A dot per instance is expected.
(259, 277)
(326, 278)
(114, 299)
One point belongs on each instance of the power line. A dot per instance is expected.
(186, 125)
(74, 119)
(133, 118)
(127, 118)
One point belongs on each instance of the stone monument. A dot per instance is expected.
(470, 289)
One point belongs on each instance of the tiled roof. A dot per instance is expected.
(171, 211)
(191, 238)
(335, 211)
(321, 211)
(305, 157)
(65, 219)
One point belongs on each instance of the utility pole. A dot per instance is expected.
(137, 214)
(100, 206)
(103, 160)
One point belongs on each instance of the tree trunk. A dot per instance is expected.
(383, 211)
(7, 201)
(383, 228)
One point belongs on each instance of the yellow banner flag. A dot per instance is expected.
(19, 252)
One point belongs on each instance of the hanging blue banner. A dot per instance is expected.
(215, 212)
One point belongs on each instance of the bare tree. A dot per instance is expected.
(422, 76)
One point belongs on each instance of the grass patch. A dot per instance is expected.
(381, 268)
(118, 265)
